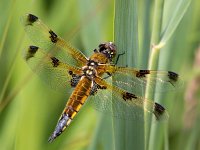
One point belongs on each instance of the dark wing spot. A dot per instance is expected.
(142, 73)
(102, 87)
(31, 19)
(172, 75)
(158, 111)
(31, 52)
(55, 61)
(53, 36)
(128, 96)
(70, 72)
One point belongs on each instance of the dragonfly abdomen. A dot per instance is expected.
(75, 102)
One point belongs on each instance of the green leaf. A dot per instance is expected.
(179, 11)
(128, 134)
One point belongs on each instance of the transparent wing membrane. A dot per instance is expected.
(49, 68)
(46, 39)
(124, 104)
(134, 78)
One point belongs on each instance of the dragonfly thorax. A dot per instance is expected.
(89, 71)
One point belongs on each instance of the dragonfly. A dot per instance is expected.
(97, 77)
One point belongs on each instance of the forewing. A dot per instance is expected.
(49, 68)
(46, 39)
(124, 104)
(138, 79)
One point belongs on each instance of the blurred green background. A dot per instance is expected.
(29, 109)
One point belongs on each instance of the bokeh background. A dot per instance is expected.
(29, 109)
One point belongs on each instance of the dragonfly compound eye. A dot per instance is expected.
(108, 49)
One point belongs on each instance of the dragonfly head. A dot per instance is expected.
(108, 49)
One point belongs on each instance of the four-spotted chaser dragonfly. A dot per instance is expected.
(63, 66)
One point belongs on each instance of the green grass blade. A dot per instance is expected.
(178, 13)
(128, 134)
(144, 34)
(154, 53)
(158, 137)
(5, 32)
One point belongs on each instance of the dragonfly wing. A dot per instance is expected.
(138, 79)
(56, 73)
(124, 104)
(46, 39)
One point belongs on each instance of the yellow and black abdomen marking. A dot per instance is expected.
(76, 100)
(78, 97)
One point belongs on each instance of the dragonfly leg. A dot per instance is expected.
(118, 57)
(95, 88)
(109, 75)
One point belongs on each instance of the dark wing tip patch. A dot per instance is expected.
(173, 77)
(31, 52)
(53, 36)
(32, 18)
(159, 112)
(28, 19)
